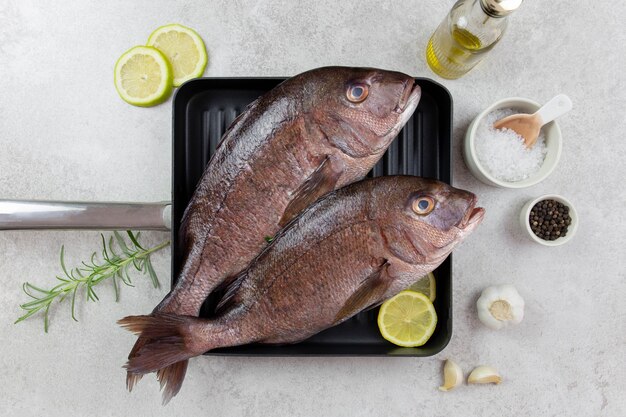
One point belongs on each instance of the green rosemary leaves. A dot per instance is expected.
(118, 257)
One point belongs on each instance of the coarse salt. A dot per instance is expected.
(503, 152)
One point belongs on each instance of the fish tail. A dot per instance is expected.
(169, 341)
(131, 378)
(171, 379)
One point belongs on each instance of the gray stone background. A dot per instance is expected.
(65, 134)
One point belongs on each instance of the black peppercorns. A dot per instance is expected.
(549, 219)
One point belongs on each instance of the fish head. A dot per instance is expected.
(426, 219)
(361, 110)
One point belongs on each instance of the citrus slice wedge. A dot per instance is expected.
(426, 285)
(143, 76)
(184, 49)
(407, 319)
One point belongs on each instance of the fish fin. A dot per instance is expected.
(322, 180)
(171, 379)
(226, 283)
(229, 296)
(170, 339)
(367, 295)
(133, 379)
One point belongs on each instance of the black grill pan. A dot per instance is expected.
(204, 108)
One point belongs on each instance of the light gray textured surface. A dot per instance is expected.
(65, 134)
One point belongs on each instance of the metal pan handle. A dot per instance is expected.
(20, 215)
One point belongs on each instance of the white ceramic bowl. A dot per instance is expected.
(571, 230)
(553, 146)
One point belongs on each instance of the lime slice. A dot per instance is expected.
(183, 48)
(426, 285)
(408, 319)
(143, 76)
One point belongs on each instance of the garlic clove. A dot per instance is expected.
(484, 375)
(452, 376)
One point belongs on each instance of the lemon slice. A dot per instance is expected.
(426, 285)
(143, 76)
(407, 319)
(183, 48)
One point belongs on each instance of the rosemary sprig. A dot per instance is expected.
(110, 265)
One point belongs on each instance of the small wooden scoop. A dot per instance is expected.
(528, 125)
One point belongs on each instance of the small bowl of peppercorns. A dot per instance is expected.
(550, 220)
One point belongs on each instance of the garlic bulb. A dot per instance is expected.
(500, 305)
(452, 376)
(484, 375)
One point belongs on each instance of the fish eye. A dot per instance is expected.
(423, 205)
(357, 93)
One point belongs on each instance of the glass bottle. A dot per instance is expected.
(471, 29)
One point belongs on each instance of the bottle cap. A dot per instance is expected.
(499, 8)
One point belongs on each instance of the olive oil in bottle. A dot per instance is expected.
(471, 29)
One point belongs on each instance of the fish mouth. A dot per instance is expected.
(473, 216)
(410, 96)
(406, 106)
